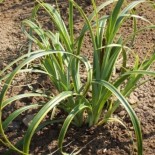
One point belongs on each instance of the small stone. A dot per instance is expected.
(89, 94)
(146, 114)
(133, 99)
(19, 104)
(104, 150)
(152, 146)
(151, 105)
(122, 113)
(141, 95)
(137, 110)
(145, 108)
(153, 114)
(99, 151)
(27, 120)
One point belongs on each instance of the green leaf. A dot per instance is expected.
(16, 113)
(67, 122)
(40, 116)
(128, 108)
(21, 96)
(144, 72)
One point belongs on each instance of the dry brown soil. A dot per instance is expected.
(110, 139)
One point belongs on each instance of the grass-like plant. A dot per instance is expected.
(60, 59)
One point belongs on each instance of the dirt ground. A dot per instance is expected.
(110, 139)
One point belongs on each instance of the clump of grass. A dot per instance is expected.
(60, 59)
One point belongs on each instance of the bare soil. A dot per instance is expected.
(110, 139)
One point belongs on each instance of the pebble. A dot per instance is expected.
(133, 99)
(152, 146)
(138, 110)
(145, 108)
(153, 114)
(151, 105)
(122, 113)
(27, 120)
(141, 95)
(19, 104)
(146, 113)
